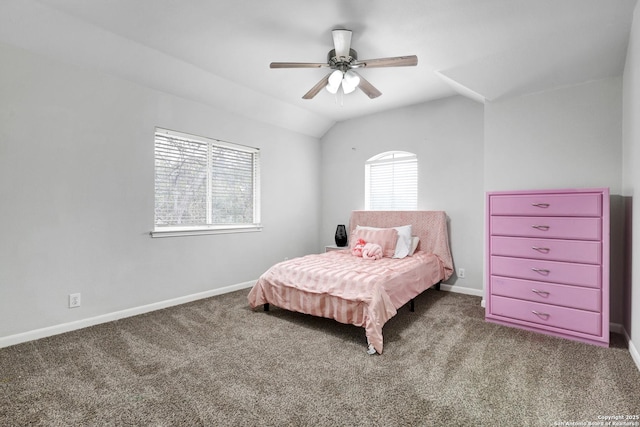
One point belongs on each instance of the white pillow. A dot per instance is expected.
(414, 244)
(403, 245)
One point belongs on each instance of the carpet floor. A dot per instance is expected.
(215, 362)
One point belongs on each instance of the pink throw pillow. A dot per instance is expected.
(385, 237)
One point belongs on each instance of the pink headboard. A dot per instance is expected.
(429, 226)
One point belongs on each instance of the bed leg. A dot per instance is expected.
(438, 286)
(412, 305)
(266, 306)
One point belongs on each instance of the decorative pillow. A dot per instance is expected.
(403, 244)
(414, 244)
(385, 237)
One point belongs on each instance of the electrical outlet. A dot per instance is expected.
(461, 273)
(74, 300)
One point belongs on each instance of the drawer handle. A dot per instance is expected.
(541, 293)
(540, 314)
(541, 227)
(540, 270)
(543, 250)
(540, 205)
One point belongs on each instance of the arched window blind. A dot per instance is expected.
(204, 184)
(391, 181)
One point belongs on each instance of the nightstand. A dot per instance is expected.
(330, 248)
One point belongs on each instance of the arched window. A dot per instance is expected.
(391, 181)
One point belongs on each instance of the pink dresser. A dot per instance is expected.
(548, 262)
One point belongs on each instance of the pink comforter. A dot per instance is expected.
(346, 288)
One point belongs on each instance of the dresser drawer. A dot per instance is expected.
(547, 204)
(547, 227)
(582, 251)
(547, 271)
(571, 319)
(563, 295)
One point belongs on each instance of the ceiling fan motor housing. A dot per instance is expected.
(341, 62)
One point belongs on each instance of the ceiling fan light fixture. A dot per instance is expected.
(331, 89)
(350, 81)
(334, 81)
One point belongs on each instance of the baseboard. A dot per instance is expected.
(462, 290)
(109, 317)
(635, 355)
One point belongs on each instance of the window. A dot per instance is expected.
(204, 186)
(391, 181)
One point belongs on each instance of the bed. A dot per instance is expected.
(358, 291)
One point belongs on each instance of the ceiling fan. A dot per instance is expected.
(343, 61)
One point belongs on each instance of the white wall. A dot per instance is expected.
(77, 182)
(447, 137)
(631, 181)
(564, 138)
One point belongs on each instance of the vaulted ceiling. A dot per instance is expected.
(218, 51)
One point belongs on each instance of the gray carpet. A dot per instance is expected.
(215, 362)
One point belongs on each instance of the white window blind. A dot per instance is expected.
(391, 181)
(204, 185)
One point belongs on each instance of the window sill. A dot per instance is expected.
(200, 231)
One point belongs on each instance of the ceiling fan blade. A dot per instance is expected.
(367, 87)
(317, 88)
(341, 42)
(298, 65)
(396, 61)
